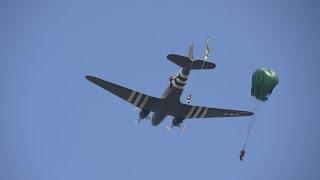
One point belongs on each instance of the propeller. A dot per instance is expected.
(138, 121)
(180, 126)
(136, 109)
(149, 117)
(141, 116)
(169, 127)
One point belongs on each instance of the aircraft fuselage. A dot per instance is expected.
(171, 96)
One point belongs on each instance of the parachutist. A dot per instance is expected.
(242, 153)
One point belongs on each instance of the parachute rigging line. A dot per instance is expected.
(256, 107)
(252, 121)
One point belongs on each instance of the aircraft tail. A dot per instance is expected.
(188, 63)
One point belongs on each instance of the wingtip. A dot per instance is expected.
(213, 65)
(90, 78)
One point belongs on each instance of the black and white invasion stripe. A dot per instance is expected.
(179, 80)
(197, 112)
(138, 99)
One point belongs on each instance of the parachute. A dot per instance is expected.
(263, 82)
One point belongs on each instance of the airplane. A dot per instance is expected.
(169, 103)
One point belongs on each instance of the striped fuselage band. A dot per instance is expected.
(180, 80)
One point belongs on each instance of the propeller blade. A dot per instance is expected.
(149, 117)
(169, 127)
(138, 121)
(182, 127)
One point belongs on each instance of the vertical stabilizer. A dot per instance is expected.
(190, 53)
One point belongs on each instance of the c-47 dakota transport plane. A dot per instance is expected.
(169, 103)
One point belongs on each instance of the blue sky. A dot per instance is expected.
(56, 125)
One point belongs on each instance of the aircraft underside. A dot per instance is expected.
(169, 103)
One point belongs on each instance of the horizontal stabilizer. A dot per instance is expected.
(187, 63)
(200, 64)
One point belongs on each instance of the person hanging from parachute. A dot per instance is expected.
(242, 153)
(263, 82)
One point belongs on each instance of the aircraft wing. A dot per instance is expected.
(136, 98)
(207, 112)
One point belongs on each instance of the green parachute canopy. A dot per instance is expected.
(263, 82)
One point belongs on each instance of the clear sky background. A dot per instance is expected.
(56, 125)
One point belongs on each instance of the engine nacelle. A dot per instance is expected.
(157, 118)
(144, 113)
